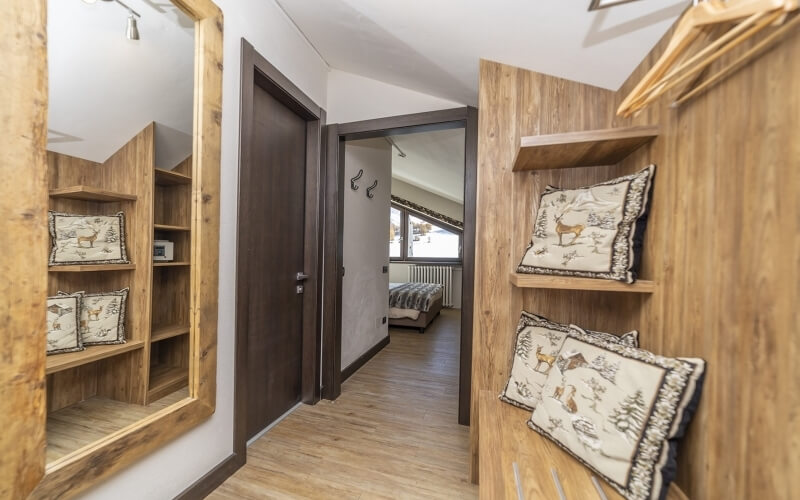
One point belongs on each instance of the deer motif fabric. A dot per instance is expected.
(87, 239)
(63, 313)
(102, 317)
(536, 350)
(591, 232)
(619, 410)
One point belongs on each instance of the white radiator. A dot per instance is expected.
(442, 275)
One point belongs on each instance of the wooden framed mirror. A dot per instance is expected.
(162, 381)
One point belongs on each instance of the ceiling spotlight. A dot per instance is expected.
(132, 31)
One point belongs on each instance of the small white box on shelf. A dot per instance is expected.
(163, 250)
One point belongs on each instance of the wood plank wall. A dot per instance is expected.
(722, 245)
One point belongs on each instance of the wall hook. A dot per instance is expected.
(354, 179)
(369, 189)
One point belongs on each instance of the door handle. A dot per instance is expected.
(302, 276)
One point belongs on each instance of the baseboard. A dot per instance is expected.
(362, 360)
(213, 478)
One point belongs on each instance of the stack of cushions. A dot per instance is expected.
(618, 409)
(83, 319)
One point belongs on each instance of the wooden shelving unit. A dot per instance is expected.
(581, 149)
(170, 177)
(88, 268)
(170, 264)
(65, 361)
(165, 379)
(569, 283)
(167, 332)
(89, 193)
(170, 227)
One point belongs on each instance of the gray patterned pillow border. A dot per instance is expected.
(655, 459)
(51, 223)
(627, 246)
(77, 312)
(527, 319)
(123, 304)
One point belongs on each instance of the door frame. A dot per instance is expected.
(256, 70)
(337, 134)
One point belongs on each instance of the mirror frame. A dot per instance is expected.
(24, 203)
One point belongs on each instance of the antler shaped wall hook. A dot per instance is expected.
(369, 189)
(354, 179)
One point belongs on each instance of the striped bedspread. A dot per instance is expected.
(417, 296)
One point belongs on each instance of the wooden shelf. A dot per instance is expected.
(171, 264)
(89, 193)
(568, 283)
(65, 361)
(168, 227)
(581, 149)
(165, 379)
(84, 268)
(505, 438)
(168, 177)
(167, 332)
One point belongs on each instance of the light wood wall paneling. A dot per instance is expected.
(721, 247)
(23, 267)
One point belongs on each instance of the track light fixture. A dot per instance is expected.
(131, 28)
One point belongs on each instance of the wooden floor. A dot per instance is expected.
(393, 433)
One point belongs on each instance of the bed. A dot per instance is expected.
(414, 305)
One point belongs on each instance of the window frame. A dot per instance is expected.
(404, 257)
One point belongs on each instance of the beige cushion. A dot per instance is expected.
(87, 239)
(63, 312)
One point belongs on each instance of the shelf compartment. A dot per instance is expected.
(171, 264)
(168, 227)
(85, 268)
(65, 361)
(520, 280)
(167, 332)
(581, 149)
(166, 379)
(89, 193)
(166, 177)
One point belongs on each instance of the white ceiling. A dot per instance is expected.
(105, 88)
(434, 162)
(435, 46)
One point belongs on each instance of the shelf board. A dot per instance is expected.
(171, 264)
(168, 177)
(165, 379)
(90, 194)
(569, 283)
(168, 227)
(167, 332)
(581, 149)
(65, 361)
(83, 268)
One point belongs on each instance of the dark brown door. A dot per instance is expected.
(274, 220)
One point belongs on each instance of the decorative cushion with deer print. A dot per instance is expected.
(619, 410)
(102, 319)
(87, 239)
(591, 232)
(538, 344)
(63, 313)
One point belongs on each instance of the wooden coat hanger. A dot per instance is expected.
(667, 72)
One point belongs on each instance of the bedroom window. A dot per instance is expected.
(414, 237)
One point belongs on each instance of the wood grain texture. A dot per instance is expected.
(23, 203)
(586, 148)
(725, 197)
(69, 360)
(568, 283)
(90, 193)
(391, 434)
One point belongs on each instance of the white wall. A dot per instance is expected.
(428, 200)
(398, 273)
(353, 98)
(365, 288)
(171, 469)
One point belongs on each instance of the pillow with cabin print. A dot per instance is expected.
(591, 232)
(538, 345)
(619, 410)
(63, 333)
(102, 319)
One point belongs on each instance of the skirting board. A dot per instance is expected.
(213, 478)
(362, 360)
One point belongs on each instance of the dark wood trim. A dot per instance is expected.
(362, 360)
(468, 265)
(466, 118)
(213, 478)
(255, 70)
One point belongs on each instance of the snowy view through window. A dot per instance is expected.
(425, 240)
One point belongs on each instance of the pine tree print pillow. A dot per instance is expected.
(63, 334)
(591, 232)
(102, 319)
(537, 347)
(620, 410)
(87, 239)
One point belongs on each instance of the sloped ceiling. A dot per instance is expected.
(105, 88)
(435, 46)
(434, 162)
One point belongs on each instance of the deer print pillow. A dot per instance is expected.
(591, 232)
(63, 313)
(537, 347)
(620, 410)
(102, 319)
(87, 239)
